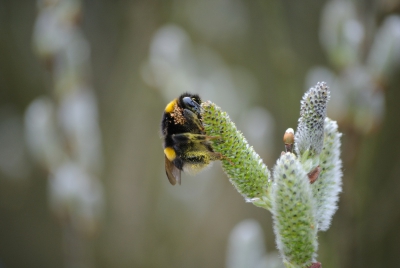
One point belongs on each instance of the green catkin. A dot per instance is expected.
(293, 212)
(244, 167)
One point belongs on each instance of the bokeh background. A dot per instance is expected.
(83, 85)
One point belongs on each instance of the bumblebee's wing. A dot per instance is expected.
(173, 173)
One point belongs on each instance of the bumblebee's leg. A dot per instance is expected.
(216, 156)
(193, 121)
(211, 138)
(190, 137)
(227, 159)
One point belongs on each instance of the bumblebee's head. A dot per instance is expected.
(191, 102)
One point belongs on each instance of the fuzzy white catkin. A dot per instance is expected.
(327, 187)
(310, 131)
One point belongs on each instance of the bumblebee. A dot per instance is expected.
(186, 146)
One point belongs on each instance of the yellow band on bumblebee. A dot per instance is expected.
(170, 153)
(170, 106)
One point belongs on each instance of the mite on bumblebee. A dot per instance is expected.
(186, 146)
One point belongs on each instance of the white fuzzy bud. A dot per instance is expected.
(310, 131)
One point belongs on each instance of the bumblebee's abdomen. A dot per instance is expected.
(188, 153)
(200, 158)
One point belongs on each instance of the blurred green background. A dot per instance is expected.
(83, 85)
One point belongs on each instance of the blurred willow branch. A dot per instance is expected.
(62, 128)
